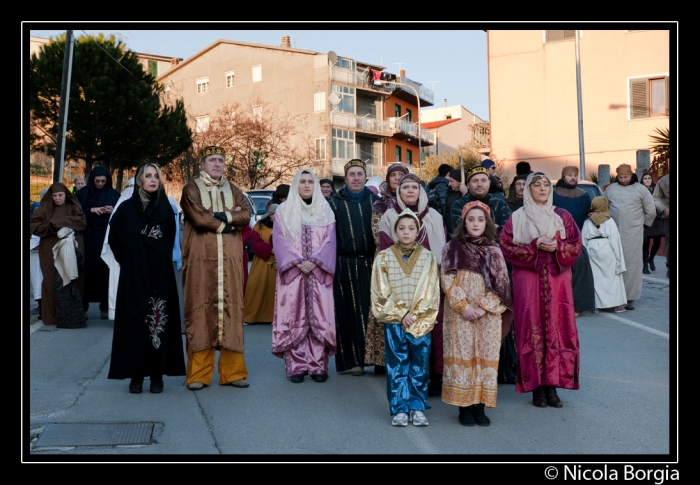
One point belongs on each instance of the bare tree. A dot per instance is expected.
(263, 145)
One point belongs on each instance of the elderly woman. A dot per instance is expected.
(542, 243)
(303, 326)
(147, 340)
(58, 209)
(374, 336)
(432, 236)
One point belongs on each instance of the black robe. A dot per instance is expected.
(142, 242)
(353, 273)
(96, 287)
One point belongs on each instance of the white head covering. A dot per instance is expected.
(533, 220)
(64, 255)
(432, 225)
(295, 212)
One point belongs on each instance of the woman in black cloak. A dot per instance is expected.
(147, 334)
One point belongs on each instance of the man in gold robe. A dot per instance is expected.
(212, 274)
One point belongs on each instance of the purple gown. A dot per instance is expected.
(303, 328)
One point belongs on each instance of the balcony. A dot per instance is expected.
(361, 80)
(365, 124)
(338, 168)
(405, 130)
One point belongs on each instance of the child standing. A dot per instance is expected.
(405, 298)
(478, 314)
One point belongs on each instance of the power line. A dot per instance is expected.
(110, 55)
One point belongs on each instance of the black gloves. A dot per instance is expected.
(221, 216)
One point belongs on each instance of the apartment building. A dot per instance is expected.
(454, 127)
(533, 105)
(351, 109)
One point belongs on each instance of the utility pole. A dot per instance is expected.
(581, 151)
(63, 109)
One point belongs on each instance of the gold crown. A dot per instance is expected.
(355, 162)
(211, 150)
(477, 170)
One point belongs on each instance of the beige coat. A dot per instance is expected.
(212, 266)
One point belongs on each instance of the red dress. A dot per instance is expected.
(545, 325)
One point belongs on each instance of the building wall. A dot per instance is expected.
(533, 103)
(452, 135)
(391, 143)
(289, 81)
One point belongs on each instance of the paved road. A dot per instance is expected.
(622, 407)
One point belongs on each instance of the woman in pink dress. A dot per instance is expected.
(542, 243)
(303, 327)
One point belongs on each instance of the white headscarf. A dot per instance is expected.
(64, 255)
(294, 212)
(533, 220)
(432, 225)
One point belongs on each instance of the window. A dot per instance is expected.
(397, 110)
(343, 144)
(257, 113)
(257, 73)
(320, 148)
(409, 157)
(398, 154)
(648, 97)
(153, 68)
(347, 98)
(408, 114)
(448, 117)
(559, 35)
(202, 124)
(202, 85)
(319, 102)
(229, 79)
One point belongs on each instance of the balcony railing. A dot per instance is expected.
(349, 121)
(338, 168)
(411, 129)
(361, 80)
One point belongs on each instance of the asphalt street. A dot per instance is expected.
(626, 404)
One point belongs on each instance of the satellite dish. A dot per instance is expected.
(332, 57)
(334, 99)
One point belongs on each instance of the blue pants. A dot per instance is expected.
(407, 360)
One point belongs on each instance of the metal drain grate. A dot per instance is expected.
(86, 434)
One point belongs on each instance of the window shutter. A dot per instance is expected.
(639, 98)
(559, 35)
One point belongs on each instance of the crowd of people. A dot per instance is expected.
(447, 291)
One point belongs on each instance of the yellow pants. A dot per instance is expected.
(200, 366)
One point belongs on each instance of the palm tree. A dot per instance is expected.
(660, 141)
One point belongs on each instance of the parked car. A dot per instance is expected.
(592, 189)
(253, 210)
(260, 198)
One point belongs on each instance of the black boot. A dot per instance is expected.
(466, 418)
(479, 416)
(136, 385)
(646, 269)
(651, 264)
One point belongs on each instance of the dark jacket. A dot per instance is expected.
(437, 191)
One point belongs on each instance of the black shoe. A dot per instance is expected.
(317, 378)
(296, 379)
(156, 386)
(136, 386)
(651, 264)
(466, 418)
(630, 305)
(479, 416)
(552, 397)
(380, 369)
(645, 270)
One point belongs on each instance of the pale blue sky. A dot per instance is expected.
(455, 59)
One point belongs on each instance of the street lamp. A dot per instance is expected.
(420, 158)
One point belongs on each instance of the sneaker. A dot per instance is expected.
(619, 309)
(597, 310)
(400, 419)
(195, 386)
(241, 383)
(418, 418)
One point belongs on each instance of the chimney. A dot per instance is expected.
(174, 61)
(402, 73)
(286, 42)
(444, 101)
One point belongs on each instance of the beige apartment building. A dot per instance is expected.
(533, 107)
(454, 127)
(351, 109)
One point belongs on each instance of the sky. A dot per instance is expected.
(453, 63)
